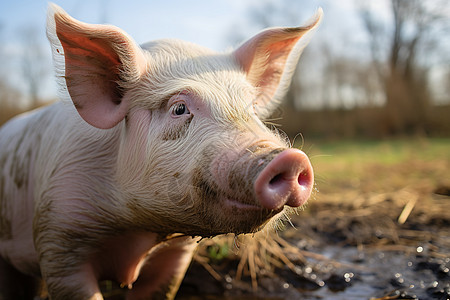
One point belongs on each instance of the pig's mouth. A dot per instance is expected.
(240, 205)
(244, 216)
(244, 206)
(243, 200)
(228, 213)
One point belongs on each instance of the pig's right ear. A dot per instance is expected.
(98, 64)
(269, 60)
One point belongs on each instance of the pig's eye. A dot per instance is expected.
(179, 109)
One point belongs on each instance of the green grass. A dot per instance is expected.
(379, 165)
(384, 152)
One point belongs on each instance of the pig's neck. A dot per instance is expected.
(75, 172)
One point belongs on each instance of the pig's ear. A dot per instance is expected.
(97, 64)
(269, 60)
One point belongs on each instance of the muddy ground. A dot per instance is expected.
(378, 227)
(352, 250)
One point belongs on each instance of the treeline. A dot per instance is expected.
(360, 122)
(389, 77)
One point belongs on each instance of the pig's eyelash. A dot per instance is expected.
(165, 101)
(272, 123)
(179, 108)
(272, 119)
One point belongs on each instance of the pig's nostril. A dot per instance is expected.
(303, 179)
(276, 180)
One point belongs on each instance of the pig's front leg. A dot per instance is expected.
(63, 259)
(81, 285)
(162, 274)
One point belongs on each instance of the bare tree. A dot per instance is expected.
(34, 62)
(399, 54)
(280, 13)
(8, 95)
(3, 60)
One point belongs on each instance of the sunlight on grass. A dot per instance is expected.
(379, 166)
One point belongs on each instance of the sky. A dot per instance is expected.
(199, 21)
(208, 23)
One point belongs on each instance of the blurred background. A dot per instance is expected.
(369, 103)
(374, 68)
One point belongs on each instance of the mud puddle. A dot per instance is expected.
(376, 274)
(368, 274)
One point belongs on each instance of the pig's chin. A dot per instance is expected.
(231, 215)
(247, 218)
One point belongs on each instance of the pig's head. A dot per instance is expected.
(195, 156)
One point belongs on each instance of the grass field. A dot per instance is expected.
(379, 166)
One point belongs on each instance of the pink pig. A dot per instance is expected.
(168, 145)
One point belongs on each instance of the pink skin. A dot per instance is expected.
(126, 257)
(287, 180)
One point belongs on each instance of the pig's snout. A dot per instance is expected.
(287, 180)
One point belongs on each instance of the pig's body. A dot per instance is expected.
(161, 144)
(20, 145)
(96, 236)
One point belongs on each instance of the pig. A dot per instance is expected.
(150, 149)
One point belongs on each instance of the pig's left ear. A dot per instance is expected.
(97, 64)
(269, 60)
